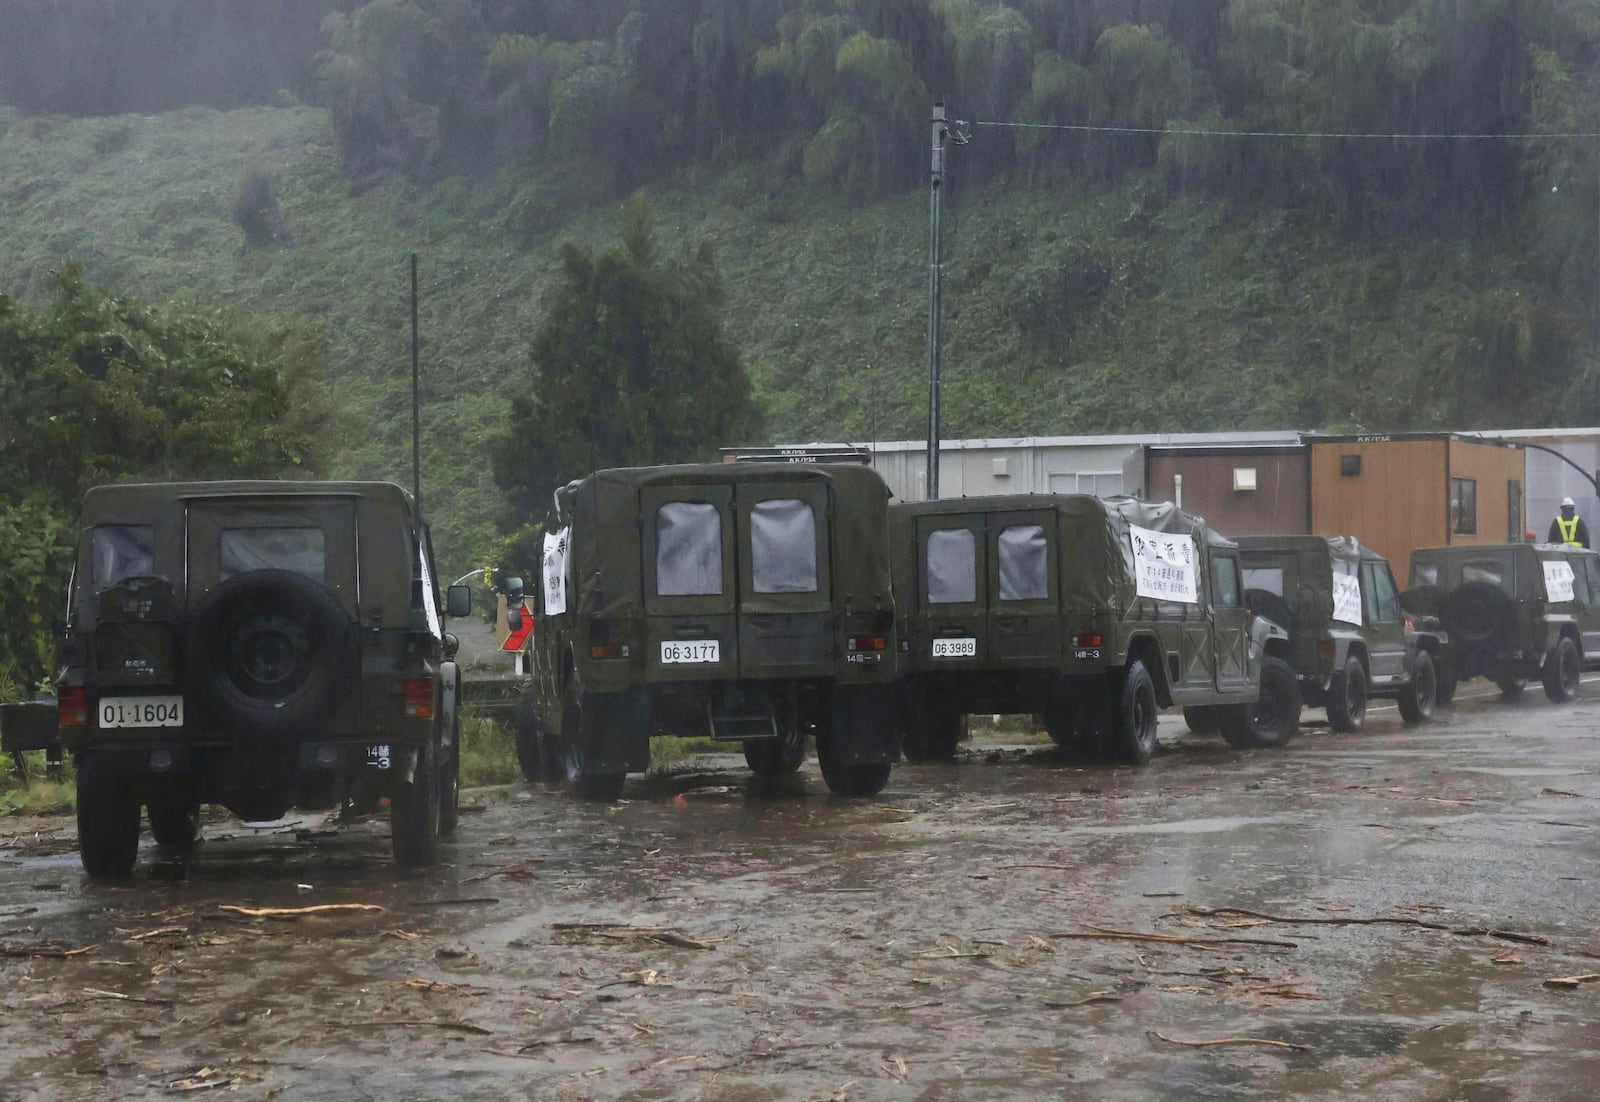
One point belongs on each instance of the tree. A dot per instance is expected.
(629, 367)
(102, 388)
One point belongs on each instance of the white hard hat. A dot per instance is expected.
(1567, 503)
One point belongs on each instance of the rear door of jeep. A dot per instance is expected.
(1024, 602)
(950, 624)
(690, 582)
(785, 591)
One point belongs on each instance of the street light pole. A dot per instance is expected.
(941, 133)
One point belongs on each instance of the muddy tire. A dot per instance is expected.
(414, 811)
(1417, 699)
(1347, 696)
(450, 783)
(581, 779)
(853, 779)
(1511, 685)
(776, 757)
(530, 756)
(1563, 671)
(174, 818)
(108, 819)
(1132, 737)
(1273, 719)
(1444, 673)
(1202, 719)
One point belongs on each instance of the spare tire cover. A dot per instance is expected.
(269, 654)
(1422, 600)
(1477, 612)
(1264, 602)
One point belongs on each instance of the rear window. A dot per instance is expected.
(297, 550)
(1024, 563)
(1482, 570)
(952, 567)
(783, 546)
(1269, 578)
(121, 551)
(1425, 573)
(688, 549)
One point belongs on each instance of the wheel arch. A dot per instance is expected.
(1146, 648)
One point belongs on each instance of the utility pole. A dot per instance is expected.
(941, 133)
(416, 399)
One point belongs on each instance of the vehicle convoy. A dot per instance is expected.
(259, 645)
(750, 602)
(1091, 612)
(1349, 639)
(1512, 612)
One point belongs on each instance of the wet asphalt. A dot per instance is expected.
(1369, 916)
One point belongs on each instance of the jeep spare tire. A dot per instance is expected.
(1267, 604)
(1477, 612)
(269, 654)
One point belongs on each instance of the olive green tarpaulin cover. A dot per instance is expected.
(1314, 558)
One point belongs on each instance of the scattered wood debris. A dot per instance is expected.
(296, 912)
(623, 933)
(1571, 983)
(1229, 1041)
(1096, 932)
(1317, 920)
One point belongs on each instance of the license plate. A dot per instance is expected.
(955, 648)
(702, 652)
(141, 711)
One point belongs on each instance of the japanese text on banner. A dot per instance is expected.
(555, 571)
(1164, 565)
(1558, 581)
(1347, 599)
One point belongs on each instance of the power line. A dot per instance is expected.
(1197, 133)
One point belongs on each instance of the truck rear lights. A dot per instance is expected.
(1088, 639)
(866, 642)
(611, 650)
(72, 707)
(419, 697)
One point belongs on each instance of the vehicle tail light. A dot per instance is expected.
(1088, 639)
(867, 642)
(419, 697)
(610, 650)
(1326, 650)
(72, 707)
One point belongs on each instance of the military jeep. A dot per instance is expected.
(1513, 612)
(258, 645)
(749, 602)
(1349, 639)
(1092, 613)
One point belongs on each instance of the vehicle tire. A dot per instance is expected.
(774, 757)
(1511, 685)
(1418, 698)
(108, 819)
(450, 783)
(1133, 721)
(530, 756)
(1563, 671)
(1444, 673)
(270, 653)
(853, 779)
(1265, 603)
(1347, 696)
(1202, 719)
(174, 818)
(1477, 612)
(1273, 719)
(933, 731)
(414, 811)
(580, 777)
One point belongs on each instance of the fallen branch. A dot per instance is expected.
(54, 951)
(1569, 983)
(1171, 939)
(1459, 931)
(295, 912)
(1230, 1041)
(397, 1023)
(1061, 868)
(622, 932)
(96, 993)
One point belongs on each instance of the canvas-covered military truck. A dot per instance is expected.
(1349, 639)
(1512, 612)
(1090, 612)
(259, 645)
(750, 602)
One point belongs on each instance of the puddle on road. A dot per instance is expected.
(1184, 826)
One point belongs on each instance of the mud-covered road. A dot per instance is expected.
(1009, 927)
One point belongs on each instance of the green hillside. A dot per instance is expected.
(1131, 306)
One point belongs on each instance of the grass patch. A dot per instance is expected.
(40, 796)
(488, 752)
(667, 751)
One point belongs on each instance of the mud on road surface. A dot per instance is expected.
(1358, 916)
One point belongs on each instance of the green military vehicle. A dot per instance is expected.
(750, 602)
(1513, 612)
(1349, 639)
(259, 645)
(1090, 612)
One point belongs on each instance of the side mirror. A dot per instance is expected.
(451, 645)
(458, 600)
(513, 589)
(514, 619)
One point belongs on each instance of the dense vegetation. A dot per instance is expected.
(1097, 280)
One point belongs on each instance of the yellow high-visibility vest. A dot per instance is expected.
(1569, 530)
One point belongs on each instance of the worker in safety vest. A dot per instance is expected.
(1568, 528)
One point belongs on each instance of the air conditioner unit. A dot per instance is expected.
(1244, 478)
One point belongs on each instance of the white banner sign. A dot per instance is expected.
(1558, 581)
(1347, 599)
(1164, 565)
(555, 571)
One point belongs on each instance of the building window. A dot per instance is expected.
(1464, 506)
(1350, 466)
